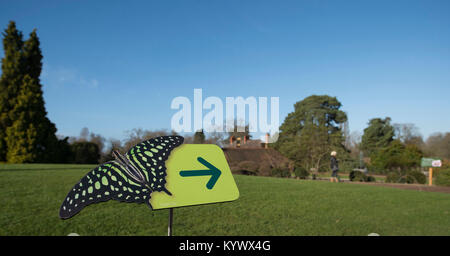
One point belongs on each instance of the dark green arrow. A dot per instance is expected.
(213, 171)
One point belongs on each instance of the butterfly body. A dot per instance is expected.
(132, 171)
(131, 177)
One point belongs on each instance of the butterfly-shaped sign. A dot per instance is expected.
(131, 177)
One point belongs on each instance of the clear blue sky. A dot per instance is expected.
(116, 65)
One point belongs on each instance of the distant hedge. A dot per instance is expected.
(409, 177)
(301, 172)
(280, 172)
(84, 153)
(360, 176)
(443, 178)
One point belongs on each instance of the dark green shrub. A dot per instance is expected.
(324, 168)
(357, 176)
(392, 177)
(370, 179)
(417, 177)
(63, 152)
(351, 175)
(409, 177)
(443, 178)
(85, 153)
(301, 172)
(396, 155)
(348, 164)
(278, 172)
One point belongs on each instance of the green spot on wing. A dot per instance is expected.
(105, 181)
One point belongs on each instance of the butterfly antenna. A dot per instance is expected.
(117, 156)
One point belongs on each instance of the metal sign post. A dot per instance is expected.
(430, 176)
(169, 229)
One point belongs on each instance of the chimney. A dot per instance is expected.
(267, 141)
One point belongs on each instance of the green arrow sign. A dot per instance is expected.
(213, 171)
(189, 168)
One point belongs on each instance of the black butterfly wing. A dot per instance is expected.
(105, 182)
(150, 156)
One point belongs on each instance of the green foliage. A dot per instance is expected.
(26, 134)
(392, 177)
(85, 153)
(199, 137)
(281, 172)
(379, 134)
(396, 155)
(409, 177)
(443, 178)
(10, 81)
(312, 131)
(418, 177)
(21, 142)
(62, 152)
(357, 176)
(28, 137)
(301, 172)
(370, 179)
(346, 164)
(32, 56)
(360, 177)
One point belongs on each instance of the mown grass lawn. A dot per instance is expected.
(30, 197)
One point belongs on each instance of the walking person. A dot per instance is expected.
(334, 167)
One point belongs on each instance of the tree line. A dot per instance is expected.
(316, 127)
(91, 148)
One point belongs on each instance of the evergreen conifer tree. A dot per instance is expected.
(10, 80)
(26, 134)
